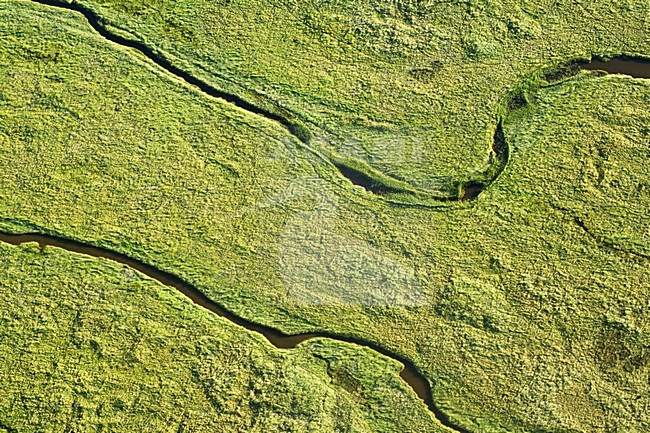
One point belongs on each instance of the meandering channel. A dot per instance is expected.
(410, 374)
(639, 68)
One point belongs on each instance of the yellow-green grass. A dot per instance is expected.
(527, 308)
(409, 87)
(88, 345)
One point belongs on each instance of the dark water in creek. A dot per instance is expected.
(409, 373)
(639, 68)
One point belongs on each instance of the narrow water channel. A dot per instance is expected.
(409, 373)
(639, 68)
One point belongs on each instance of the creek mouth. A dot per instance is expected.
(409, 373)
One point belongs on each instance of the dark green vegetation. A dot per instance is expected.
(526, 309)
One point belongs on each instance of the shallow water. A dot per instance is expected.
(638, 68)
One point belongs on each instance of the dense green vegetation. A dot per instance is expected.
(410, 87)
(88, 345)
(527, 308)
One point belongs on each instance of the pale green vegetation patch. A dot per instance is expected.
(527, 309)
(89, 345)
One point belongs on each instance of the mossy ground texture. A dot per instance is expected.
(527, 309)
(88, 345)
(408, 88)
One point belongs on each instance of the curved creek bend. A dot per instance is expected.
(639, 68)
(636, 67)
(409, 373)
